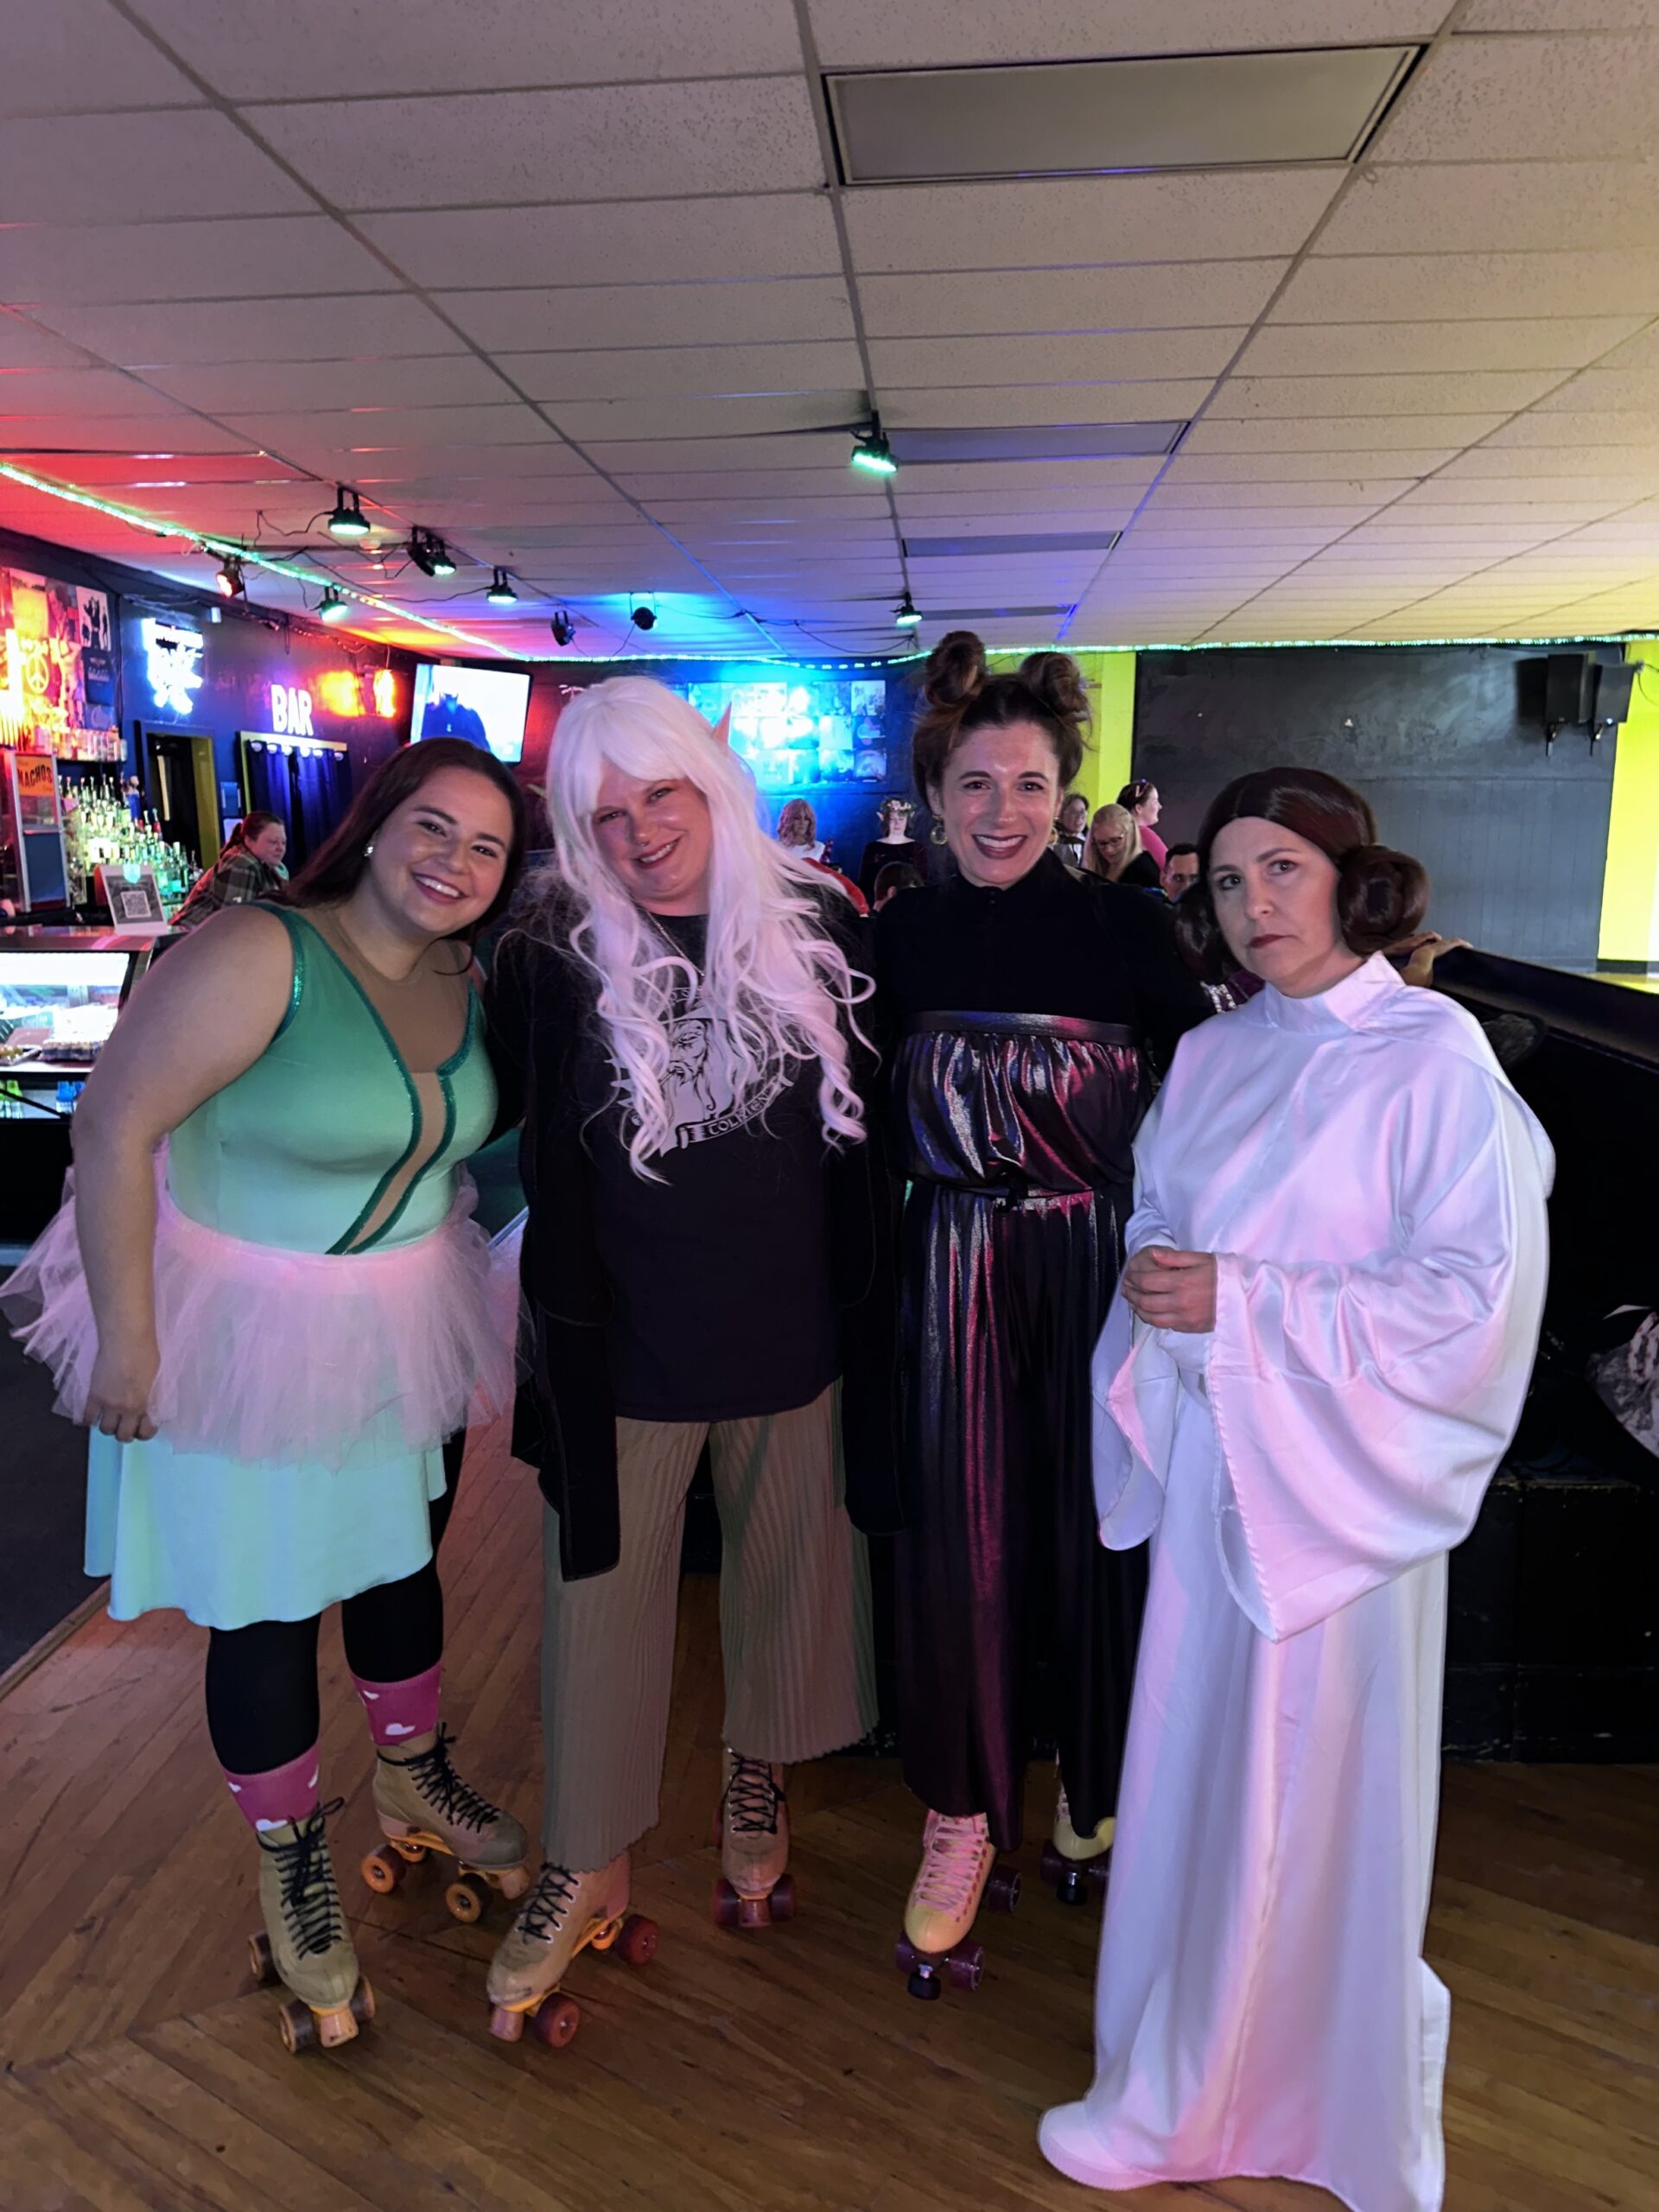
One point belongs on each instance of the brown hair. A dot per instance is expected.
(251, 825)
(962, 696)
(336, 868)
(1134, 794)
(1381, 895)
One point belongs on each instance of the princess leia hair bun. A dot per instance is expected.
(1382, 895)
(956, 670)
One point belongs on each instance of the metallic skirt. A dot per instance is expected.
(1015, 1131)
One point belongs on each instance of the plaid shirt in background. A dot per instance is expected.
(236, 879)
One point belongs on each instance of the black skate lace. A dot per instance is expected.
(310, 1900)
(753, 1798)
(542, 1913)
(443, 1788)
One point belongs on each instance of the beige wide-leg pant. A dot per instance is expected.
(794, 1621)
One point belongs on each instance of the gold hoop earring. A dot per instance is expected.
(936, 836)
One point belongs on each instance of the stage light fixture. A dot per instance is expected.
(334, 608)
(906, 614)
(501, 593)
(642, 617)
(563, 626)
(229, 583)
(871, 451)
(348, 519)
(430, 553)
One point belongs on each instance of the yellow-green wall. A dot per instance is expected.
(1110, 681)
(1629, 894)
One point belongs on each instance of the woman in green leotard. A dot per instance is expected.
(269, 1303)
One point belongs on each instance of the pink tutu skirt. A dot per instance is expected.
(277, 1358)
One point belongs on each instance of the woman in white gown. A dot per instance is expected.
(1317, 1356)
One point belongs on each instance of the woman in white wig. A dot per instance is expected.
(706, 1257)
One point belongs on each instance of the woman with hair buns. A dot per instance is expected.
(1318, 1355)
(1020, 997)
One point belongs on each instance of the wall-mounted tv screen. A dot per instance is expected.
(486, 706)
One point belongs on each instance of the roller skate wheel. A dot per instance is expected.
(507, 2023)
(299, 2027)
(925, 1983)
(513, 1883)
(1072, 1886)
(965, 1966)
(637, 1943)
(555, 2021)
(782, 1899)
(1002, 1890)
(384, 1870)
(407, 1849)
(905, 1956)
(467, 1898)
(362, 2003)
(728, 1905)
(260, 1964)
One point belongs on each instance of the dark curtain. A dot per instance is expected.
(310, 791)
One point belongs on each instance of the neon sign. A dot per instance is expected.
(385, 694)
(171, 664)
(290, 711)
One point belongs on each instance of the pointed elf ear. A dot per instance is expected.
(722, 732)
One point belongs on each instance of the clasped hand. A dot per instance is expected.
(118, 1398)
(1172, 1290)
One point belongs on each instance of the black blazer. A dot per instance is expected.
(540, 1007)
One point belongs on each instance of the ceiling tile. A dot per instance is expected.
(249, 387)
(1343, 349)
(1198, 467)
(609, 419)
(78, 57)
(320, 328)
(1459, 286)
(645, 315)
(1096, 358)
(1032, 225)
(1562, 16)
(1558, 467)
(23, 345)
(149, 167)
(618, 141)
(1334, 433)
(1488, 100)
(920, 34)
(1176, 295)
(143, 263)
(1473, 207)
(655, 241)
(374, 429)
(998, 405)
(327, 49)
(1612, 391)
(1247, 397)
(654, 373)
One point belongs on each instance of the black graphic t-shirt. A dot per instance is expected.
(720, 1272)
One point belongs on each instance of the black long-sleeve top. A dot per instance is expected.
(1057, 942)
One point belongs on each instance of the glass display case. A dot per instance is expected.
(60, 990)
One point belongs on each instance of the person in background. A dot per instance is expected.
(798, 829)
(1071, 832)
(1020, 1002)
(894, 845)
(267, 1301)
(1142, 800)
(249, 869)
(706, 1259)
(1179, 872)
(1114, 850)
(1319, 1354)
(896, 877)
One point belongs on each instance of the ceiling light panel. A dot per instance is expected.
(1184, 111)
(1038, 442)
(977, 548)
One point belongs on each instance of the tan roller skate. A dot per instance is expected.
(959, 1868)
(305, 1943)
(1075, 1862)
(423, 1806)
(752, 1828)
(564, 1914)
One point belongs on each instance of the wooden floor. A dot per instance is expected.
(778, 2071)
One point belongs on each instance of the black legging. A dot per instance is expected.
(262, 1680)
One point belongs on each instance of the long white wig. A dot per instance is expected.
(775, 983)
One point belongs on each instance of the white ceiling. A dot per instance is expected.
(570, 287)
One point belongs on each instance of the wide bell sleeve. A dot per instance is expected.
(1135, 1382)
(1360, 1409)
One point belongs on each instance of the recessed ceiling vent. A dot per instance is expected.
(1102, 118)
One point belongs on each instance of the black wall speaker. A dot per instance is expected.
(1614, 683)
(1568, 690)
